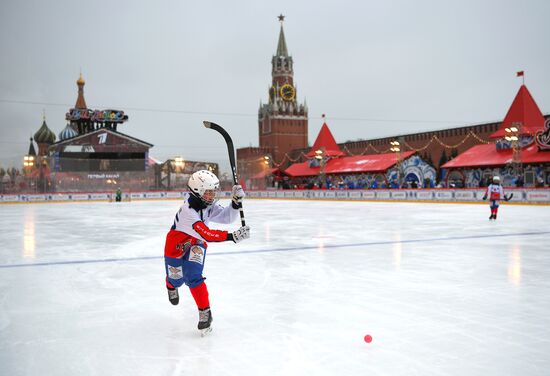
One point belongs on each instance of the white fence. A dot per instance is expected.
(530, 196)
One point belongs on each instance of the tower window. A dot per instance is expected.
(266, 127)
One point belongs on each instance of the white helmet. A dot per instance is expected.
(496, 179)
(204, 185)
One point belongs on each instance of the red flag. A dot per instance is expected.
(519, 74)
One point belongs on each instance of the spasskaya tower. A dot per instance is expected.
(282, 122)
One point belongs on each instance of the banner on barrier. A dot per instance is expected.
(475, 195)
(371, 195)
(354, 194)
(99, 196)
(153, 195)
(383, 195)
(399, 195)
(465, 195)
(538, 195)
(10, 198)
(79, 196)
(424, 195)
(36, 198)
(342, 194)
(443, 195)
(59, 197)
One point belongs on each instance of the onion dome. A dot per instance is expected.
(67, 132)
(44, 135)
(80, 80)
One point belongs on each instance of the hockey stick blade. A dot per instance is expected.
(231, 152)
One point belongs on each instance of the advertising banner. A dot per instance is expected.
(399, 195)
(537, 195)
(443, 195)
(465, 195)
(99, 196)
(354, 194)
(369, 195)
(342, 194)
(328, 194)
(424, 195)
(153, 195)
(79, 196)
(383, 195)
(10, 198)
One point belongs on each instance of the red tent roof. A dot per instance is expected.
(487, 155)
(364, 163)
(271, 171)
(357, 164)
(302, 169)
(523, 110)
(325, 141)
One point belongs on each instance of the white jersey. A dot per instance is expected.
(186, 217)
(495, 192)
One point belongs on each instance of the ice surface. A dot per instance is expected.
(441, 289)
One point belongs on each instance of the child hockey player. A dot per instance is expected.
(185, 248)
(495, 193)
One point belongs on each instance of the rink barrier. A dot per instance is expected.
(526, 196)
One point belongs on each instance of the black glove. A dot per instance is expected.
(485, 196)
(240, 234)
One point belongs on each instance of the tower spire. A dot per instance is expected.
(281, 46)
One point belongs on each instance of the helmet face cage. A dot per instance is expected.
(204, 185)
(496, 179)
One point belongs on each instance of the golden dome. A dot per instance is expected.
(80, 80)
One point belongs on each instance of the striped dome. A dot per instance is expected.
(44, 135)
(67, 132)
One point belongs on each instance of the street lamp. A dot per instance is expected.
(396, 148)
(512, 136)
(178, 161)
(28, 161)
(268, 178)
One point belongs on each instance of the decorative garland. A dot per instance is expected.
(379, 151)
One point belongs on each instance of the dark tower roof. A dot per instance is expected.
(44, 135)
(32, 151)
(281, 46)
(80, 101)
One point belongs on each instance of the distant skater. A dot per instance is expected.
(495, 192)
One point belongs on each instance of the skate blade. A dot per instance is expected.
(204, 332)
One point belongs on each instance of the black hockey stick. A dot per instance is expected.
(231, 151)
(509, 197)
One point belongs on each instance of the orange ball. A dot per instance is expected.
(368, 338)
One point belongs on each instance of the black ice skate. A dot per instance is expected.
(173, 296)
(205, 321)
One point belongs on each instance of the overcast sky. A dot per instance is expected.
(375, 68)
